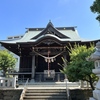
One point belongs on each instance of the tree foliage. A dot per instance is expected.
(79, 68)
(7, 61)
(95, 8)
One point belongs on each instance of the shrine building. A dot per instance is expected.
(41, 49)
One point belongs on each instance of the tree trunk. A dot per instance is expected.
(91, 83)
(4, 74)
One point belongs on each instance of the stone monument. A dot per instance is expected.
(96, 58)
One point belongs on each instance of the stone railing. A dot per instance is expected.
(7, 82)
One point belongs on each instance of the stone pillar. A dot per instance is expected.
(58, 75)
(33, 68)
(8, 83)
(96, 92)
(4, 83)
(0, 82)
(81, 84)
(14, 82)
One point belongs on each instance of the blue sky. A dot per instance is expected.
(16, 15)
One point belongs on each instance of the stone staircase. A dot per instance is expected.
(45, 94)
(47, 90)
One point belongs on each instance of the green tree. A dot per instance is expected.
(95, 8)
(79, 68)
(7, 61)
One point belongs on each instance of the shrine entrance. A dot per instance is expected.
(47, 67)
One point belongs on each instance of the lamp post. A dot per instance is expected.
(96, 58)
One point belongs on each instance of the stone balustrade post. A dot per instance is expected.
(4, 83)
(0, 82)
(58, 75)
(8, 83)
(14, 82)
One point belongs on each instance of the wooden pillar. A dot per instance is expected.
(33, 66)
(65, 74)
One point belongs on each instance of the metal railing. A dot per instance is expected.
(24, 89)
(26, 83)
(40, 77)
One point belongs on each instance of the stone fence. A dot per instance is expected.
(7, 82)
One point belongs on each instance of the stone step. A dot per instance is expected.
(45, 94)
(45, 90)
(51, 84)
(45, 97)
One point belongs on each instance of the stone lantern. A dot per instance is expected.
(96, 58)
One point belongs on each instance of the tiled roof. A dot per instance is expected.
(71, 33)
